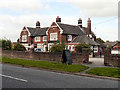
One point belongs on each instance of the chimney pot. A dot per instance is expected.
(58, 19)
(80, 22)
(37, 24)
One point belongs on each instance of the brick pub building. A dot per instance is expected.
(45, 37)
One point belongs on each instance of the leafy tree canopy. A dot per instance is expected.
(100, 40)
(6, 44)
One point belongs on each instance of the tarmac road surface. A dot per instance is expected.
(20, 77)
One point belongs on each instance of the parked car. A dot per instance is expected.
(38, 50)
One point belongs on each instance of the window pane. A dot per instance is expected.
(69, 37)
(53, 36)
(24, 38)
(37, 39)
(44, 38)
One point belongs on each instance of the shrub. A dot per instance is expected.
(80, 46)
(57, 48)
(6, 44)
(19, 47)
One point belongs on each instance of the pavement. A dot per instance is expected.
(21, 77)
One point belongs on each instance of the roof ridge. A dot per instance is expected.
(45, 27)
(65, 24)
(30, 27)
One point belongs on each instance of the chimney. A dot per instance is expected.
(80, 22)
(89, 26)
(58, 19)
(37, 24)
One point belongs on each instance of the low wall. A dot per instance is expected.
(111, 59)
(76, 57)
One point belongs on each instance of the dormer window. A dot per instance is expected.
(69, 37)
(24, 38)
(37, 39)
(53, 37)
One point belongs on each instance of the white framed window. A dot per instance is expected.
(69, 47)
(37, 39)
(53, 36)
(44, 38)
(24, 38)
(95, 48)
(69, 37)
(72, 47)
(40, 46)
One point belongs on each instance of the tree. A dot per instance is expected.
(57, 48)
(6, 44)
(19, 47)
(100, 40)
(107, 41)
(109, 47)
(80, 46)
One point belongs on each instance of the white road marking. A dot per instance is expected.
(14, 78)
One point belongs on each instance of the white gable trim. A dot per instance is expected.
(28, 31)
(61, 31)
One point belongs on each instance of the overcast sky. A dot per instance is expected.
(15, 14)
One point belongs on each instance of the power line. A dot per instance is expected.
(105, 21)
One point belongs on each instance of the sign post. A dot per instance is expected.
(66, 56)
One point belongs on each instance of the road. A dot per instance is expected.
(19, 77)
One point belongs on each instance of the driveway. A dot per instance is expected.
(96, 62)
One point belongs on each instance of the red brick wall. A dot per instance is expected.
(76, 57)
(24, 32)
(54, 30)
(111, 59)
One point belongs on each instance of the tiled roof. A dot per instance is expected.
(70, 29)
(84, 39)
(37, 31)
(40, 31)
(101, 44)
(85, 29)
(31, 30)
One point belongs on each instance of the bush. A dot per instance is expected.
(6, 44)
(19, 47)
(80, 46)
(57, 48)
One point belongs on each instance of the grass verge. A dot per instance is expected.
(45, 65)
(105, 71)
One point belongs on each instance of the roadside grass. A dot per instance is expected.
(46, 65)
(105, 71)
